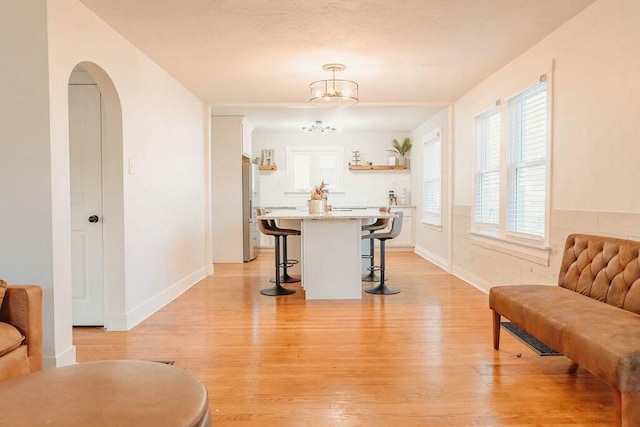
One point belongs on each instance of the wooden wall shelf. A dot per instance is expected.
(267, 167)
(376, 167)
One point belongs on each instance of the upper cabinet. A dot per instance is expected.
(247, 132)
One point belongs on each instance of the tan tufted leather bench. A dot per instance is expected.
(106, 393)
(592, 316)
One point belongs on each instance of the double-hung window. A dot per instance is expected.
(511, 174)
(527, 162)
(487, 178)
(432, 180)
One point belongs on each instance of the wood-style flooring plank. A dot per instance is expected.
(423, 357)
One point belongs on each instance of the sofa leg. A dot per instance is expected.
(496, 330)
(627, 409)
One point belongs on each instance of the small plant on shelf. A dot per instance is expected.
(401, 148)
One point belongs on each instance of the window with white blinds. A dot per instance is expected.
(527, 161)
(432, 181)
(487, 179)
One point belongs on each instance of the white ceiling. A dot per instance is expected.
(410, 57)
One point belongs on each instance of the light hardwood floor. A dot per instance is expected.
(423, 357)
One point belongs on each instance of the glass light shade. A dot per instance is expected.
(333, 93)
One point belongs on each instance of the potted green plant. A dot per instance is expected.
(401, 149)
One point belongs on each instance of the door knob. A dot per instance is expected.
(93, 218)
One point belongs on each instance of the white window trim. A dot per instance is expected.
(521, 249)
(512, 167)
(514, 244)
(290, 150)
(424, 219)
(485, 227)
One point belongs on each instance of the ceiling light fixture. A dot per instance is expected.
(333, 92)
(318, 127)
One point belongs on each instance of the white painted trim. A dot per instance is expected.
(451, 183)
(430, 226)
(472, 279)
(432, 258)
(523, 250)
(208, 196)
(399, 248)
(155, 303)
(67, 357)
(116, 322)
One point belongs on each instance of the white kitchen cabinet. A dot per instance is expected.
(405, 240)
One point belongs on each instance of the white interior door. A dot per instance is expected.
(85, 149)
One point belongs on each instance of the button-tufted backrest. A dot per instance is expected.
(602, 268)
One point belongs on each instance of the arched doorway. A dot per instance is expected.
(97, 199)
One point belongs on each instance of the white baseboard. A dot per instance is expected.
(472, 279)
(120, 322)
(432, 258)
(116, 322)
(67, 357)
(399, 248)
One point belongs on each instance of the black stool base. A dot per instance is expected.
(277, 290)
(371, 277)
(381, 289)
(285, 278)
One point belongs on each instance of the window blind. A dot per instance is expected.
(487, 200)
(527, 154)
(432, 181)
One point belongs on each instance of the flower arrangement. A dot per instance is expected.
(321, 192)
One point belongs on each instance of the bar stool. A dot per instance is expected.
(379, 224)
(286, 262)
(396, 227)
(268, 228)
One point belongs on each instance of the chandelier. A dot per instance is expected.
(333, 92)
(318, 127)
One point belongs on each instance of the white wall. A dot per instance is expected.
(162, 136)
(26, 247)
(433, 243)
(361, 188)
(595, 138)
(164, 201)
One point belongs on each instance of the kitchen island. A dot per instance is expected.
(329, 249)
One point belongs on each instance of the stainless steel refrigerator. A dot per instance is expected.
(250, 201)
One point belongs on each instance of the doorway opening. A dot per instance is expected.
(97, 198)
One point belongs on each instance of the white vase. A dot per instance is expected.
(317, 206)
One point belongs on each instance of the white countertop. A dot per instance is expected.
(331, 215)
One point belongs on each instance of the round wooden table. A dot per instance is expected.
(106, 393)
